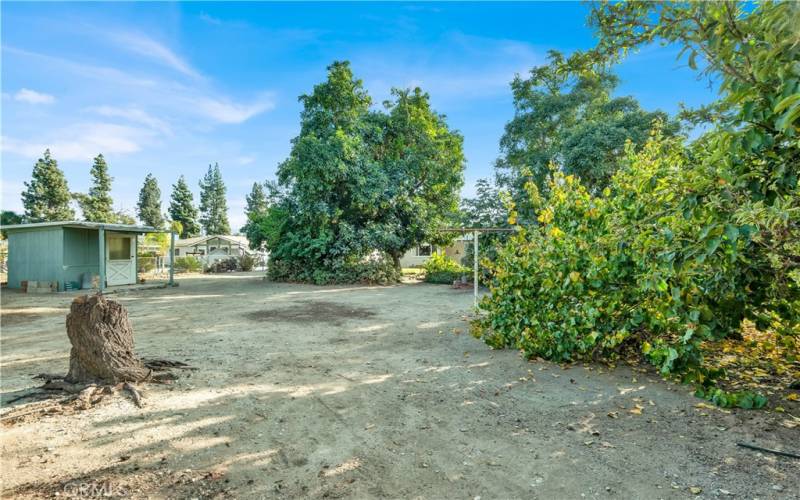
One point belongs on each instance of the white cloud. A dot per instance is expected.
(134, 115)
(146, 46)
(226, 111)
(245, 160)
(101, 73)
(33, 97)
(82, 141)
(210, 19)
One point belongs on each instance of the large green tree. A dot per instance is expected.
(97, 204)
(182, 209)
(9, 218)
(46, 197)
(361, 187)
(423, 161)
(149, 206)
(255, 209)
(213, 205)
(689, 239)
(566, 118)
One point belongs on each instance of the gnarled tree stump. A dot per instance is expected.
(102, 343)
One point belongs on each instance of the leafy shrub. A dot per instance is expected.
(145, 263)
(377, 269)
(247, 262)
(226, 265)
(440, 268)
(187, 264)
(663, 260)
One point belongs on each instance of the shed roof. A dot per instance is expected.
(132, 228)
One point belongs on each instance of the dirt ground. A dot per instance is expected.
(365, 392)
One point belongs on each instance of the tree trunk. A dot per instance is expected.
(396, 261)
(102, 343)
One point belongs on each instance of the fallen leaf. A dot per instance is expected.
(636, 410)
(696, 490)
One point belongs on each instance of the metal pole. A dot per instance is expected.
(101, 248)
(172, 258)
(475, 266)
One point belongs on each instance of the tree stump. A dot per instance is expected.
(102, 343)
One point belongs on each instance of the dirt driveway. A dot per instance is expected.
(365, 392)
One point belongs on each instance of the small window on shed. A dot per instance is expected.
(119, 248)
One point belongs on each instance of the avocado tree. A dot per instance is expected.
(360, 187)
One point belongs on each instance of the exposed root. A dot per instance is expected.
(158, 365)
(135, 395)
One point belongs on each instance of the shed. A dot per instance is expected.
(64, 251)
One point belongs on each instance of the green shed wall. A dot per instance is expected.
(81, 251)
(35, 255)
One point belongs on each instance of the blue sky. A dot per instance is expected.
(168, 88)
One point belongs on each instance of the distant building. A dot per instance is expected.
(209, 249)
(418, 255)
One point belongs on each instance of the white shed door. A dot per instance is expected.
(120, 260)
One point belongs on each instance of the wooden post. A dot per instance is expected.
(475, 266)
(101, 238)
(172, 258)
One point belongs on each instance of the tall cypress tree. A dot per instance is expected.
(182, 209)
(149, 207)
(46, 198)
(97, 205)
(256, 207)
(213, 206)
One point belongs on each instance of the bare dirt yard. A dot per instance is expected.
(303, 391)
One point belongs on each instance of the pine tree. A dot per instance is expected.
(182, 209)
(46, 198)
(213, 206)
(255, 209)
(256, 201)
(149, 207)
(97, 204)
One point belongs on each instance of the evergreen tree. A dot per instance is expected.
(46, 198)
(182, 209)
(213, 206)
(97, 204)
(9, 218)
(149, 207)
(256, 208)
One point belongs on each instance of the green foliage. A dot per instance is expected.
(256, 209)
(247, 262)
(377, 269)
(489, 208)
(188, 264)
(742, 399)
(359, 188)
(686, 241)
(149, 206)
(565, 115)
(122, 217)
(226, 265)
(46, 197)
(440, 268)
(213, 205)
(182, 209)
(97, 204)
(9, 218)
